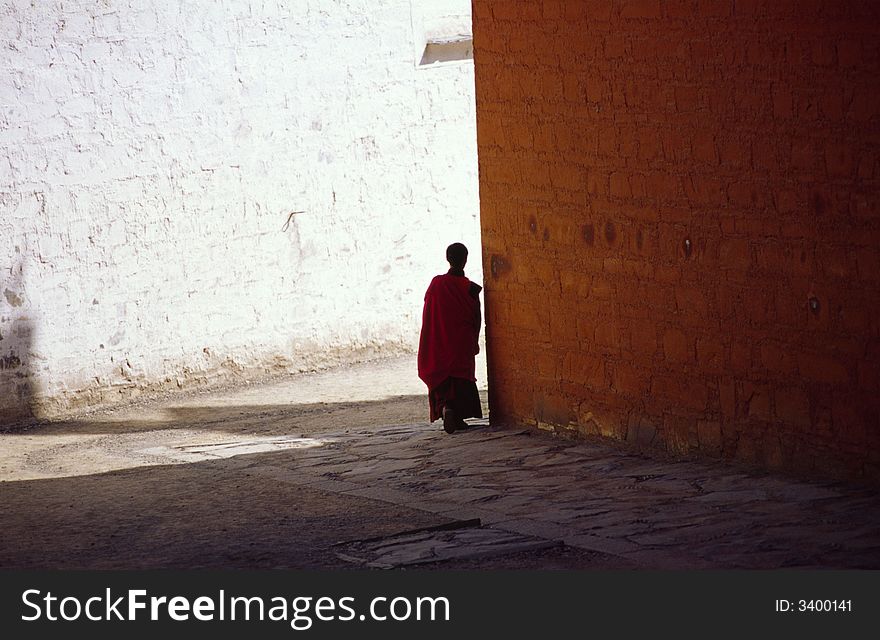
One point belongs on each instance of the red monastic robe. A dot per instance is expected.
(451, 322)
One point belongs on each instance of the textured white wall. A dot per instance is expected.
(151, 153)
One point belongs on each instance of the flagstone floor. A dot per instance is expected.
(595, 497)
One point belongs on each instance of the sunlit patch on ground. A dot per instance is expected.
(198, 452)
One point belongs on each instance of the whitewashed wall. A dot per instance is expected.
(151, 153)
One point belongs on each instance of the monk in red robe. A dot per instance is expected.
(449, 340)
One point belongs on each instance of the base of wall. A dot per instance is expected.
(750, 460)
(228, 373)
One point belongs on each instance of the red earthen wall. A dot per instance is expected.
(680, 207)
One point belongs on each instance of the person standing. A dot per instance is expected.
(449, 342)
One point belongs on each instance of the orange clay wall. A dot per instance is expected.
(680, 206)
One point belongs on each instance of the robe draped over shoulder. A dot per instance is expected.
(451, 321)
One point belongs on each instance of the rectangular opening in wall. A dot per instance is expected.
(450, 50)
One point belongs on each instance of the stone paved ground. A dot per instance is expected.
(593, 496)
(274, 475)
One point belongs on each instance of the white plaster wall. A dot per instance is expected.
(151, 153)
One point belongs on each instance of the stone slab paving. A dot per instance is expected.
(654, 513)
(463, 541)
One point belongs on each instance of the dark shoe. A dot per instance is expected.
(450, 422)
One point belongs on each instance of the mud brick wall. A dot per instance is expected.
(680, 208)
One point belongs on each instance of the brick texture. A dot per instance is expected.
(681, 224)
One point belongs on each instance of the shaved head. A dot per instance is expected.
(456, 255)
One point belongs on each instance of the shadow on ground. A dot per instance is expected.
(219, 513)
(209, 514)
(215, 514)
(278, 485)
(267, 419)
